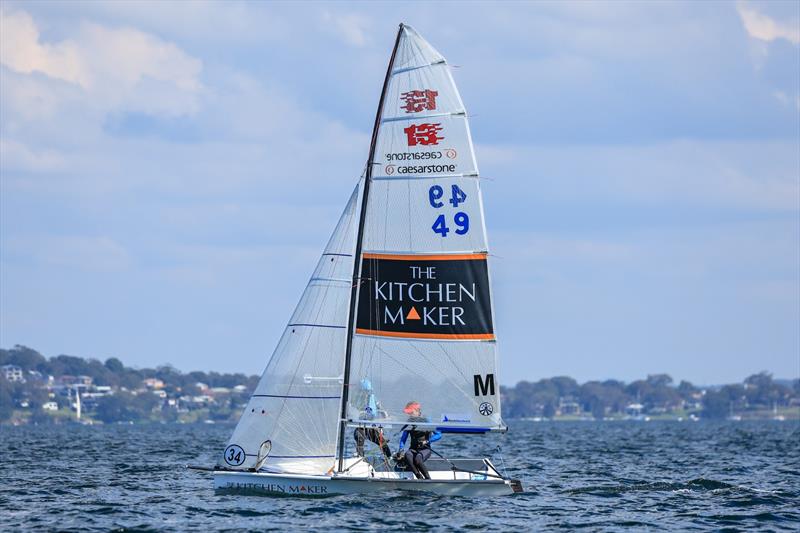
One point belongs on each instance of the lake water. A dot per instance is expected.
(599, 476)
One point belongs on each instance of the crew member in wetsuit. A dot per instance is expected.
(419, 450)
(371, 411)
(373, 435)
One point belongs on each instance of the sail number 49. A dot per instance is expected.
(461, 219)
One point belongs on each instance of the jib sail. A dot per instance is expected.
(291, 421)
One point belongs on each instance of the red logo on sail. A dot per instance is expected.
(416, 101)
(424, 134)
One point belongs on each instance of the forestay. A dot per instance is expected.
(295, 407)
(424, 325)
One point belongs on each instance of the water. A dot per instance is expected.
(599, 476)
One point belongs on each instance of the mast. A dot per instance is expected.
(357, 258)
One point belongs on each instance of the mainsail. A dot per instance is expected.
(424, 325)
(399, 308)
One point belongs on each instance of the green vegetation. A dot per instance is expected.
(35, 389)
(653, 398)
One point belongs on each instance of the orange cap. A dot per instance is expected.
(411, 407)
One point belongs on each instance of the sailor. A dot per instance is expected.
(373, 435)
(419, 450)
(371, 411)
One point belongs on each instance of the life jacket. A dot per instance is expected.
(420, 439)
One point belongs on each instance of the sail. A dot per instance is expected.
(424, 329)
(291, 421)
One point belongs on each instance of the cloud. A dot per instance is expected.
(82, 252)
(351, 27)
(21, 51)
(126, 56)
(762, 27)
(16, 155)
(149, 151)
(116, 67)
(26, 98)
(687, 174)
(786, 100)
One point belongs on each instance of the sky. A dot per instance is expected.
(170, 172)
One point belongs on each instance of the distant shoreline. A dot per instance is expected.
(69, 389)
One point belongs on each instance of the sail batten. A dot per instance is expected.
(433, 115)
(422, 177)
(408, 69)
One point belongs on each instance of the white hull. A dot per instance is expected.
(301, 485)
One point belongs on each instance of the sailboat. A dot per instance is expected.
(398, 312)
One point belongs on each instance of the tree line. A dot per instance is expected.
(124, 404)
(546, 398)
(657, 394)
(112, 372)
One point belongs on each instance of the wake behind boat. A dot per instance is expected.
(394, 334)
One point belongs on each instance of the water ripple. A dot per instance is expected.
(593, 476)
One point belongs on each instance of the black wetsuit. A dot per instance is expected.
(419, 450)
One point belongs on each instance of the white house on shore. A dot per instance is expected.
(12, 373)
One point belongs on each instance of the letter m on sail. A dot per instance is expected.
(484, 386)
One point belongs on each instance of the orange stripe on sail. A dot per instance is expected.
(444, 336)
(422, 257)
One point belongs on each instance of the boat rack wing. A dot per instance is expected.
(438, 426)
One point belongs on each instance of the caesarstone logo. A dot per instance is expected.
(425, 296)
(432, 157)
